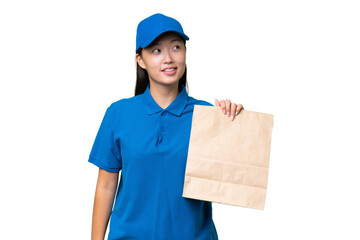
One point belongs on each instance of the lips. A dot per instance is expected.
(170, 71)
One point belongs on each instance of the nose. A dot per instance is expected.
(167, 57)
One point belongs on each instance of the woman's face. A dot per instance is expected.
(164, 60)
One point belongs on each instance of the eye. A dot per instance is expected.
(156, 50)
(177, 47)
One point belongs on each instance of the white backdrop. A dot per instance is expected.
(62, 63)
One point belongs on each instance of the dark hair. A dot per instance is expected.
(142, 76)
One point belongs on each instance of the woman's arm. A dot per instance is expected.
(104, 199)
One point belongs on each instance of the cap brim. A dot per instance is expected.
(152, 38)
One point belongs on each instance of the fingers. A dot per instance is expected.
(217, 103)
(239, 107)
(226, 106)
(223, 106)
(233, 111)
(230, 109)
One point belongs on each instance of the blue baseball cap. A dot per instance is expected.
(155, 25)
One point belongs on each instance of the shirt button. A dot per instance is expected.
(163, 129)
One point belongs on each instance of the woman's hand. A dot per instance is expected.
(231, 109)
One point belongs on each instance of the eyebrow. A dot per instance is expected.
(177, 39)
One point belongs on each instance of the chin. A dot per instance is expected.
(170, 81)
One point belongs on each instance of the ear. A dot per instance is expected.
(140, 61)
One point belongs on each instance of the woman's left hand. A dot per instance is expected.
(228, 108)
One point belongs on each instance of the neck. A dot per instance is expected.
(163, 94)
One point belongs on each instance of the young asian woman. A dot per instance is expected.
(146, 137)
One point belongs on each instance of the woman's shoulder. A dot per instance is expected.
(194, 101)
(124, 103)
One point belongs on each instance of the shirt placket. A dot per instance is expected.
(161, 130)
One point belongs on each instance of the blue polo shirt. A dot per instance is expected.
(149, 145)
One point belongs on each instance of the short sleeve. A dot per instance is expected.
(105, 152)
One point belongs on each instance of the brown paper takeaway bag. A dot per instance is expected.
(228, 161)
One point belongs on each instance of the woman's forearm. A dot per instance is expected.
(104, 199)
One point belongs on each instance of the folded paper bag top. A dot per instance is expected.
(228, 161)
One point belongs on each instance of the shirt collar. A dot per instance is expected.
(176, 107)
